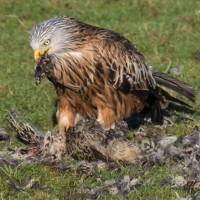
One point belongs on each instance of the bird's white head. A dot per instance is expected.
(51, 36)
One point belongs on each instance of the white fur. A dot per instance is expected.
(78, 54)
(78, 117)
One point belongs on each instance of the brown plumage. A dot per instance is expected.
(86, 141)
(99, 72)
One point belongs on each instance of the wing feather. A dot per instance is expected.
(125, 66)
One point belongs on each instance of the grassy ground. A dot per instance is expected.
(166, 32)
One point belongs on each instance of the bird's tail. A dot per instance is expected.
(158, 98)
(175, 85)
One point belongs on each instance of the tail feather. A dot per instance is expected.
(171, 98)
(159, 97)
(174, 84)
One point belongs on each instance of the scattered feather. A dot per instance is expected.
(27, 184)
(175, 70)
(183, 118)
(4, 137)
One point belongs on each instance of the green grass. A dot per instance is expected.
(166, 32)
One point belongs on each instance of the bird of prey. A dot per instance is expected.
(98, 72)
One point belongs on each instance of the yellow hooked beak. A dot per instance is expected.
(38, 53)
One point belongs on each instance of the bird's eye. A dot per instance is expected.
(47, 42)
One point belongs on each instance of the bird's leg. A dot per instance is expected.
(106, 117)
(65, 116)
